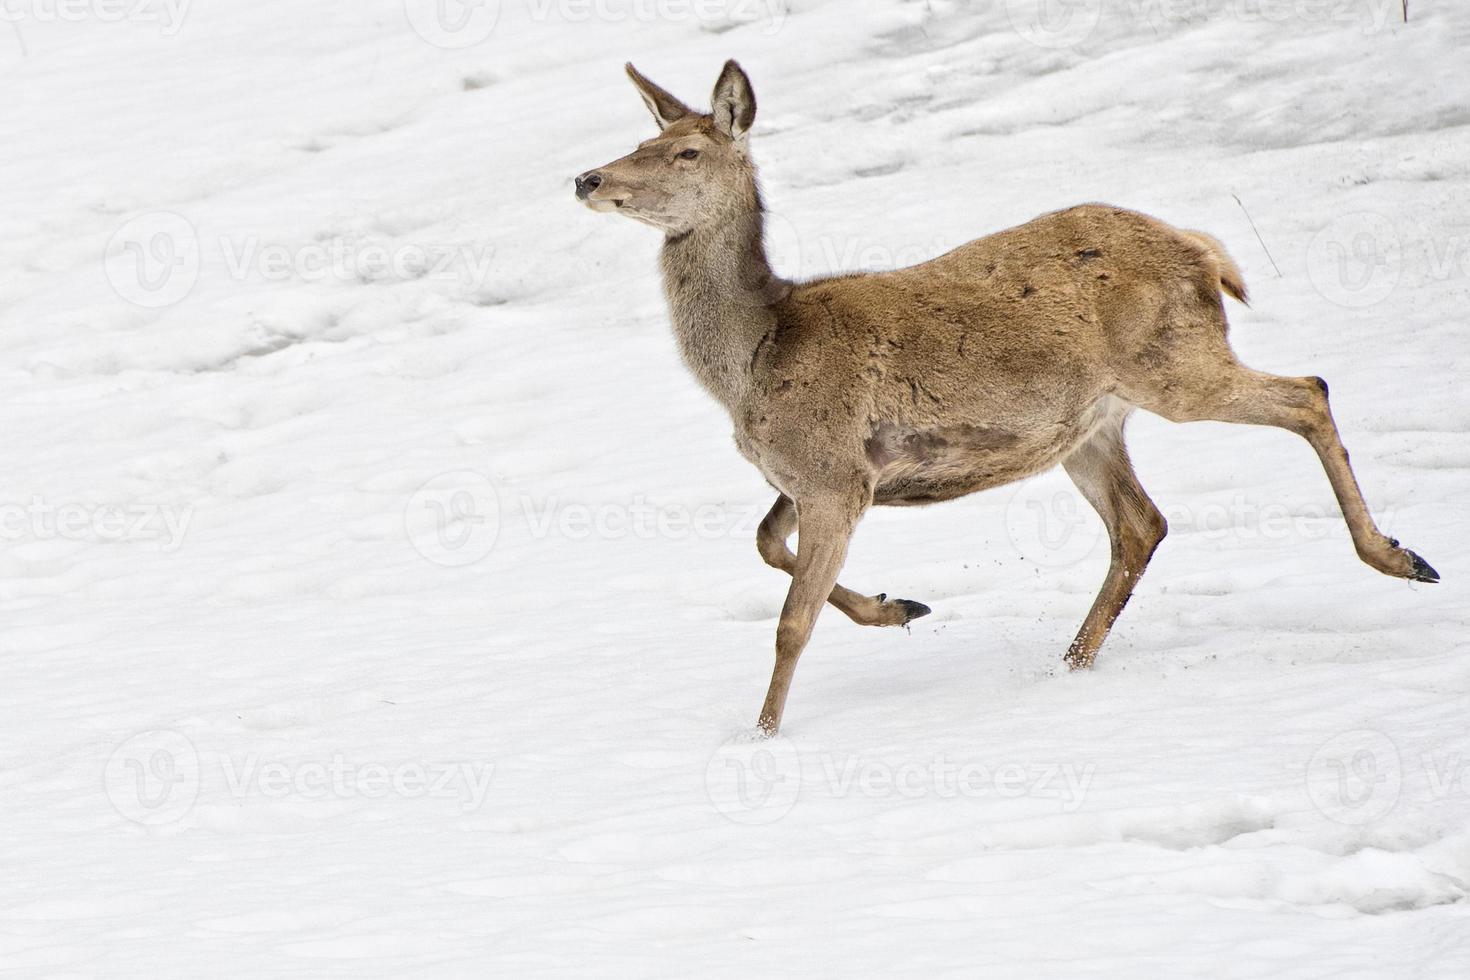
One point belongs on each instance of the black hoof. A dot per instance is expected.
(913, 610)
(1420, 571)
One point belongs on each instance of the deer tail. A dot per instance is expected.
(1231, 281)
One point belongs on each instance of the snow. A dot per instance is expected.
(379, 592)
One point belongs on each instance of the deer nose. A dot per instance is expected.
(587, 183)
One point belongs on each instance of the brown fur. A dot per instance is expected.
(993, 362)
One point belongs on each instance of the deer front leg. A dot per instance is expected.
(864, 610)
(825, 526)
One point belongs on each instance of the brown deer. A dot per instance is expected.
(990, 363)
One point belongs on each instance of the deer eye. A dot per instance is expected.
(689, 154)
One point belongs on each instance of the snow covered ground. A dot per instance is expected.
(379, 594)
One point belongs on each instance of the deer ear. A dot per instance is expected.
(733, 104)
(665, 108)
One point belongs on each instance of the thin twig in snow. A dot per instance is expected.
(1258, 235)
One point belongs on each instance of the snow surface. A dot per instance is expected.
(380, 596)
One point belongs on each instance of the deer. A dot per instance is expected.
(991, 363)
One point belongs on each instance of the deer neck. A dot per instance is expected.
(721, 293)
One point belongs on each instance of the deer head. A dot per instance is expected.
(696, 171)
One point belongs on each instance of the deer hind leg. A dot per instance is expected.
(1103, 473)
(1231, 392)
(864, 610)
(825, 526)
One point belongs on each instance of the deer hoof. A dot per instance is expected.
(1420, 570)
(913, 610)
